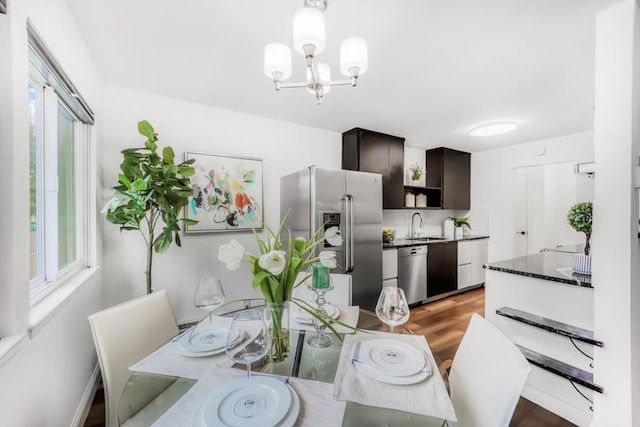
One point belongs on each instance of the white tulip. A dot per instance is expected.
(274, 262)
(328, 259)
(332, 236)
(231, 254)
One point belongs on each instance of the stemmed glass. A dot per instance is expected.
(320, 283)
(251, 322)
(209, 294)
(392, 307)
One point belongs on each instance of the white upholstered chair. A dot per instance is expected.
(123, 335)
(487, 376)
(339, 295)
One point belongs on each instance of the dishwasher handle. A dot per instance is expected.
(412, 251)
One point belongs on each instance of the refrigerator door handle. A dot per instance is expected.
(349, 228)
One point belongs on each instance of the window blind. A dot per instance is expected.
(43, 61)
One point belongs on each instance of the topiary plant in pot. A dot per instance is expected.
(152, 189)
(580, 217)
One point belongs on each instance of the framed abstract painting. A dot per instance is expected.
(227, 193)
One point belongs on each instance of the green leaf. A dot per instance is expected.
(168, 155)
(189, 221)
(259, 277)
(147, 130)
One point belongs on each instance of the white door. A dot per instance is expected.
(520, 213)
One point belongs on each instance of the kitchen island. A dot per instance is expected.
(548, 312)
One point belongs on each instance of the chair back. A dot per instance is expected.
(124, 334)
(487, 376)
(339, 295)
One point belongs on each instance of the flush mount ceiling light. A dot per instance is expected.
(493, 129)
(308, 40)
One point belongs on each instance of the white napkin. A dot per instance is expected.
(317, 407)
(349, 315)
(428, 397)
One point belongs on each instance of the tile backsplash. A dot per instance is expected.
(432, 221)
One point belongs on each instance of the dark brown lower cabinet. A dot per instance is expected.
(442, 268)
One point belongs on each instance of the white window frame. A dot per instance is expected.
(47, 192)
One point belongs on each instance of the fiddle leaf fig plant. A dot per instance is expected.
(152, 190)
(580, 217)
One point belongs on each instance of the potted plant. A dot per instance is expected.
(580, 217)
(458, 223)
(416, 172)
(151, 189)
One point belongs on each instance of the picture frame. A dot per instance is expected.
(227, 193)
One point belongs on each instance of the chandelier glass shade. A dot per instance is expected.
(309, 41)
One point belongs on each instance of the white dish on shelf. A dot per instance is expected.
(391, 357)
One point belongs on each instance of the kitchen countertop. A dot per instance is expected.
(403, 243)
(553, 266)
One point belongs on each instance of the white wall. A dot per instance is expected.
(492, 181)
(284, 148)
(44, 376)
(616, 247)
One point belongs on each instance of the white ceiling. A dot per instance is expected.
(436, 67)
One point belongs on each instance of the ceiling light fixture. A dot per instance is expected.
(493, 129)
(309, 40)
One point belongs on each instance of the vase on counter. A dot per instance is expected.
(447, 230)
(582, 264)
(458, 233)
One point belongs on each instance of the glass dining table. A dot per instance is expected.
(148, 391)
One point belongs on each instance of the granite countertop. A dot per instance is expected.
(554, 266)
(403, 243)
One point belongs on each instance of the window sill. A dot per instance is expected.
(45, 309)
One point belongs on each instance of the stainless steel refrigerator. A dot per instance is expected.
(351, 201)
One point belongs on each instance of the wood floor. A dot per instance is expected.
(443, 323)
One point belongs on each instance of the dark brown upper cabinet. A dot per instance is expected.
(368, 151)
(450, 170)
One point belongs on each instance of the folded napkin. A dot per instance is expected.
(167, 359)
(317, 407)
(428, 397)
(349, 315)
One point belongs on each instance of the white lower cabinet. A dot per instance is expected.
(390, 268)
(472, 256)
(393, 283)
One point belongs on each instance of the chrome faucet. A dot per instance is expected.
(411, 231)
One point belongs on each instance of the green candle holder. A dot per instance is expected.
(321, 279)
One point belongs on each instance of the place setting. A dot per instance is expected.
(391, 370)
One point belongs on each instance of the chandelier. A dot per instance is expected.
(309, 40)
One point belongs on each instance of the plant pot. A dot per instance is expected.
(277, 320)
(582, 264)
(459, 233)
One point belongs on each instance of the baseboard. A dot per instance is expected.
(87, 399)
(561, 409)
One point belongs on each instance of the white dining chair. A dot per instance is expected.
(339, 295)
(487, 376)
(123, 335)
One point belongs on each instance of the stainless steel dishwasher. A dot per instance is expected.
(412, 272)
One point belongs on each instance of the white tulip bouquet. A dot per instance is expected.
(275, 272)
(276, 268)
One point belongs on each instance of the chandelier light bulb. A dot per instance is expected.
(353, 57)
(277, 59)
(308, 29)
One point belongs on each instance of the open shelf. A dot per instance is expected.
(550, 325)
(562, 369)
(434, 196)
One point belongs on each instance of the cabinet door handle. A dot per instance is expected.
(521, 232)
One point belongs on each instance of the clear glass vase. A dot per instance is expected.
(277, 321)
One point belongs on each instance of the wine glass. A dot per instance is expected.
(246, 351)
(392, 307)
(209, 294)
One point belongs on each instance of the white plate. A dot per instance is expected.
(205, 339)
(303, 316)
(294, 411)
(213, 352)
(409, 379)
(269, 399)
(391, 357)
